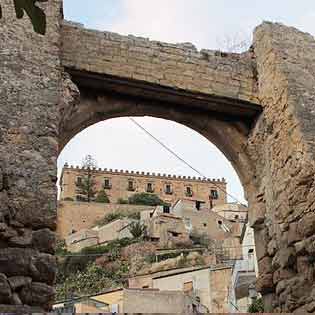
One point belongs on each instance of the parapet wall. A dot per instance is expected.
(179, 66)
(148, 174)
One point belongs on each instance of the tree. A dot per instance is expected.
(102, 197)
(36, 14)
(86, 185)
(235, 43)
(146, 200)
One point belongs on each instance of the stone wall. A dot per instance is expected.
(282, 148)
(274, 156)
(220, 279)
(29, 96)
(173, 65)
(167, 302)
(76, 216)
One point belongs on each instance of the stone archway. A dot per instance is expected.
(272, 151)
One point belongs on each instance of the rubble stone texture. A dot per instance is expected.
(29, 94)
(272, 152)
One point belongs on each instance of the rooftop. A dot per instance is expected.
(142, 174)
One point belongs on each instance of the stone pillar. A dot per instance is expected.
(282, 145)
(29, 95)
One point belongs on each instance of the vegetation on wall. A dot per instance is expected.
(92, 280)
(102, 197)
(137, 230)
(78, 274)
(113, 216)
(146, 200)
(36, 14)
(257, 306)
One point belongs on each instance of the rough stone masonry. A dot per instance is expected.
(257, 107)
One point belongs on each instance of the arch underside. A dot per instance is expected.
(224, 122)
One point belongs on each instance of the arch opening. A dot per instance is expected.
(84, 110)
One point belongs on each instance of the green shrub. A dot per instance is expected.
(137, 230)
(68, 199)
(146, 200)
(200, 239)
(102, 197)
(108, 218)
(257, 306)
(134, 216)
(122, 201)
(61, 248)
(92, 280)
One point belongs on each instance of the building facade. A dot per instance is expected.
(123, 184)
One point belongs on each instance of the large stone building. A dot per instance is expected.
(123, 184)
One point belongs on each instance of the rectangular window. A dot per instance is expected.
(214, 194)
(107, 184)
(79, 181)
(150, 188)
(166, 209)
(189, 192)
(168, 189)
(131, 185)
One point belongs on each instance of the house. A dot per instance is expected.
(207, 285)
(244, 275)
(199, 220)
(168, 230)
(117, 229)
(131, 301)
(233, 212)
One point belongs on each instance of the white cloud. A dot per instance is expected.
(173, 21)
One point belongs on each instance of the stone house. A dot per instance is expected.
(79, 240)
(199, 220)
(233, 212)
(208, 285)
(117, 229)
(132, 301)
(168, 230)
(124, 184)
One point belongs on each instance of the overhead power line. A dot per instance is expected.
(181, 159)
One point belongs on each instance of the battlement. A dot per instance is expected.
(145, 174)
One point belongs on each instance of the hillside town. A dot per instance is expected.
(134, 242)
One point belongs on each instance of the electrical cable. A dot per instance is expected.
(182, 160)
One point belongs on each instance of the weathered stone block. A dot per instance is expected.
(285, 257)
(264, 284)
(44, 241)
(38, 294)
(5, 290)
(306, 226)
(18, 282)
(294, 235)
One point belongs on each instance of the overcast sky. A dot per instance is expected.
(118, 143)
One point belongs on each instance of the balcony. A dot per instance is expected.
(107, 186)
(243, 276)
(167, 192)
